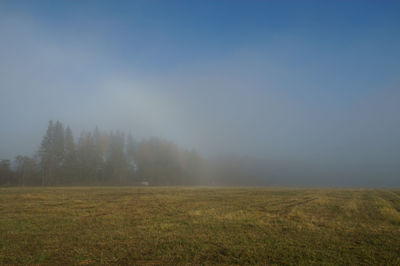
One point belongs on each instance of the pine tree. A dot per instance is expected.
(58, 135)
(24, 169)
(58, 150)
(84, 157)
(6, 175)
(98, 156)
(131, 157)
(70, 166)
(117, 167)
(46, 155)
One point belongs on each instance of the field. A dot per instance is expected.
(114, 225)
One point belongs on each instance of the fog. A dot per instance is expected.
(283, 101)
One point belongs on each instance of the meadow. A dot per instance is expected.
(188, 225)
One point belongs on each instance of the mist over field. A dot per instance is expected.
(209, 132)
(267, 93)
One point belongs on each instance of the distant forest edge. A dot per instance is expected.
(103, 158)
(98, 158)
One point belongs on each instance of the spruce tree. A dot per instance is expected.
(46, 155)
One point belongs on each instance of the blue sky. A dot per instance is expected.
(305, 80)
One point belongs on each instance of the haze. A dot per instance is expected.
(306, 90)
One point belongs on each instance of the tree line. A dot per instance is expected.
(102, 158)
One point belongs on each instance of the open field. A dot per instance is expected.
(199, 226)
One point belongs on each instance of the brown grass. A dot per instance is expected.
(222, 226)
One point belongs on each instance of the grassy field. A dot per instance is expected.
(199, 226)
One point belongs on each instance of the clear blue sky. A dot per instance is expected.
(304, 80)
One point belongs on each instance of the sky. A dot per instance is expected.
(307, 81)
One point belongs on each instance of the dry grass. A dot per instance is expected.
(199, 226)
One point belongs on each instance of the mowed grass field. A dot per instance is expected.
(135, 226)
